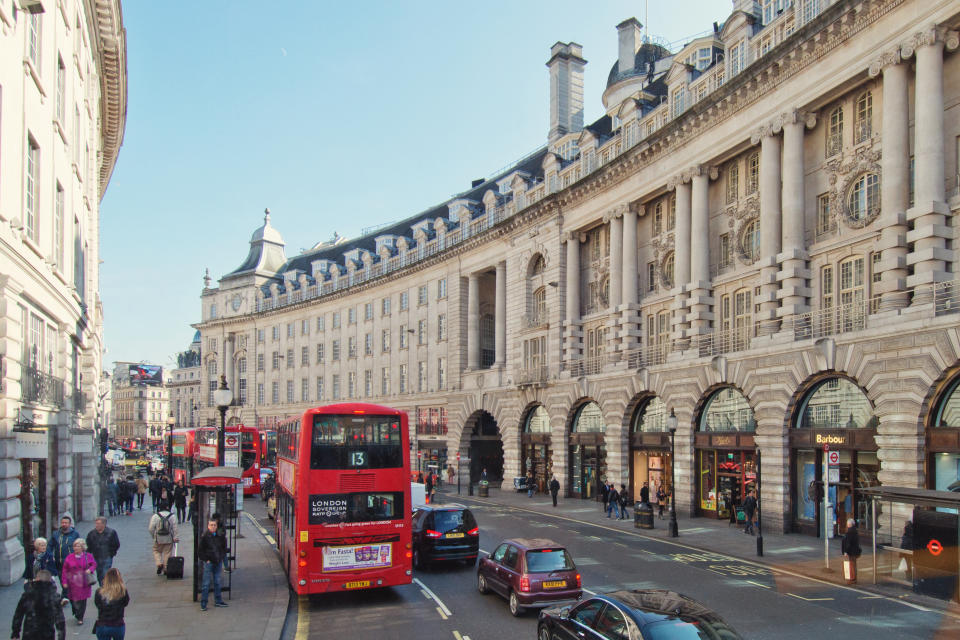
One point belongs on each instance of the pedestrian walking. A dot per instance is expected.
(850, 548)
(111, 599)
(613, 501)
(142, 487)
(163, 530)
(154, 486)
(624, 501)
(194, 506)
(428, 488)
(645, 493)
(114, 496)
(605, 496)
(212, 550)
(131, 493)
(450, 474)
(749, 506)
(61, 544)
(661, 501)
(39, 615)
(554, 489)
(103, 544)
(79, 573)
(531, 487)
(180, 493)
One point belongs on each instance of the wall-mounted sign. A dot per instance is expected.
(830, 438)
(32, 444)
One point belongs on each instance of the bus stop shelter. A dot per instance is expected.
(216, 489)
(930, 551)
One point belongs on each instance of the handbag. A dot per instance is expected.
(91, 576)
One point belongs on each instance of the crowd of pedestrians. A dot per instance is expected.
(83, 565)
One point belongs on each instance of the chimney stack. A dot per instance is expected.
(566, 89)
(630, 37)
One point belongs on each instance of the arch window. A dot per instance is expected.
(834, 142)
(538, 265)
(672, 213)
(589, 419)
(863, 122)
(650, 418)
(750, 241)
(863, 200)
(727, 410)
(668, 270)
(835, 403)
(538, 421)
(733, 178)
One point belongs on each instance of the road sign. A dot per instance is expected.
(833, 475)
(833, 458)
(934, 547)
(231, 442)
(826, 447)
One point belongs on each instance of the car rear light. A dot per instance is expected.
(474, 532)
(433, 534)
(579, 584)
(409, 554)
(524, 583)
(302, 563)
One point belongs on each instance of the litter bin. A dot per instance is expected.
(643, 515)
(483, 490)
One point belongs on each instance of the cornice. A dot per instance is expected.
(106, 27)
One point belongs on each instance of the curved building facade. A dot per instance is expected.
(755, 240)
(62, 115)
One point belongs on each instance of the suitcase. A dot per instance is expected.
(175, 566)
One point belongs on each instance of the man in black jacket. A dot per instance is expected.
(554, 489)
(155, 491)
(103, 543)
(39, 612)
(212, 551)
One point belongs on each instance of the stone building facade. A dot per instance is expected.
(756, 239)
(63, 97)
(140, 410)
(185, 387)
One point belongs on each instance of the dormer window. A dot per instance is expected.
(735, 58)
(677, 99)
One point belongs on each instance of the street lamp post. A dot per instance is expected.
(222, 397)
(672, 425)
(759, 524)
(169, 465)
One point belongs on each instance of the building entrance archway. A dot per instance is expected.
(486, 447)
(535, 454)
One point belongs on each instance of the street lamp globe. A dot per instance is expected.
(222, 397)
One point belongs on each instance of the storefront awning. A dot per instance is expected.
(918, 497)
(217, 477)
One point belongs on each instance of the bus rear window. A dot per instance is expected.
(355, 507)
(356, 442)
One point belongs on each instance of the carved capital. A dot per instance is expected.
(801, 117)
(888, 58)
(932, 35)
(572, 236)
(677, 180)
(616, 212)
(639, 209)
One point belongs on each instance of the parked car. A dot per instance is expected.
(529, 572)
(647, 614)
(444, 533)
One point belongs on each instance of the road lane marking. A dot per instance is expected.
(778, 571)
(442, 614)
(303, 620)
(456, 634)
(809, 599)
(269, 538)
(593, 593)
(870, 597)
(766, 586)
(425, 594)
(442, 608)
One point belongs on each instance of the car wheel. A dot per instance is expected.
(515, 607)
(482, 584)
(543, 633)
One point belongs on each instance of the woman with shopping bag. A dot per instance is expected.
(79, 573)
(850, 548)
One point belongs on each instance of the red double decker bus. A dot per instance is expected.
(183, 454)
(251, 450)
(343, 498)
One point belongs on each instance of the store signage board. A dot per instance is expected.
(833, 459)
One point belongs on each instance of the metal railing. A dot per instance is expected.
(42, 388)
(534, 319)
(831, 321)
(647, 356)
(946, 298)
(728, 341)
(532, 375)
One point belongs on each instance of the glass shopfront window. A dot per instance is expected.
(589, 419)
(535, 454)
(650, 449)
(727, 410)
(588, 456)
(725, 453)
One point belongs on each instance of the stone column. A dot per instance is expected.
(701, 300)
(894, 180)
(930, 234)
(681, 257)
(571, 331)
(630, 330)
(500, 335)
(473, 322)
(616, 257)
(11, 551)
(794, 274)
(770, 219)
(228, 367)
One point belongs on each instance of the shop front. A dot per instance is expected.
(650, 459)
(535, 454)
(432, 456)
(725, 453)
(836, 415)
(588, 455)
(943, 439)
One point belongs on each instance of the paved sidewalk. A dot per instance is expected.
(162, 608)
(800, 554)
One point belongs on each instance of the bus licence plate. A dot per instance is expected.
(554, 584)
(357, 584)
(454, 535)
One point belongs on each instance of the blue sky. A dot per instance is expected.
(336, 116)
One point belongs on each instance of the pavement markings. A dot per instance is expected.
(871, 597)
(593, 593)
(766, 586)
(456, 634)
(303, 619)
(444, 611)
(809, 599)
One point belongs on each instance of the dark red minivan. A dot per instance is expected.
(529, 572)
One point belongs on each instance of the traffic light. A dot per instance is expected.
(458, 456)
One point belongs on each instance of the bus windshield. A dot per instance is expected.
(356, 442)
(355, 507)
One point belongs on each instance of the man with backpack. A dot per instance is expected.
(163, 529)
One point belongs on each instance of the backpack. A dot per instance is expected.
(163, 535)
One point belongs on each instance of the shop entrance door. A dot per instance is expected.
(728, 494)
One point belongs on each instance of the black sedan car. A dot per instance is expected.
(444, 532)
(648, 614)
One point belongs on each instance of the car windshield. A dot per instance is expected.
(676, 629)
(549, 560)
(444, 521)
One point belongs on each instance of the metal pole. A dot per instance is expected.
(873, 535)
(759, 521)
(221, 435)
(458, 477)
(826, 511)
(674, 527)
(170, 451)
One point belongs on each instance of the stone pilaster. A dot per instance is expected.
(794, 274)
(572, 334)
(11, 551)
(700, 287)
(500, 329)
(615, 218)
(681, 255)
(630, 337)
(770, 224)
(473, 322)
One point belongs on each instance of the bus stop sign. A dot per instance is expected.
(934, 547)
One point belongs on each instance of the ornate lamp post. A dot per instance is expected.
(672, 426)
(222, 397)
(169, 466)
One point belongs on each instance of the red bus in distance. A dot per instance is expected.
(183, 453)
(251, 450)
(343, 498)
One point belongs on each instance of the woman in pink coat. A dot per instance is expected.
(76, 567)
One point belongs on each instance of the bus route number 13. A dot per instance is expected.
(358, 458)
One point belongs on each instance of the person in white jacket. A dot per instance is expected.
(163, 530)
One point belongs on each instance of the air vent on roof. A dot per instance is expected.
(476, 183)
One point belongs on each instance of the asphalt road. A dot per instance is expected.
(761, 604)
